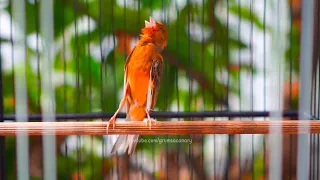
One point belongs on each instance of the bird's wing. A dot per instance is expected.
(154, 83)
(126, 65)
(125, 78)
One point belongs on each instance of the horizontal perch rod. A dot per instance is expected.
(172, 127)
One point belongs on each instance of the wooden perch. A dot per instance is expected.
(177, 127)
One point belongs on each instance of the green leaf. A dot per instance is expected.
(247, 14)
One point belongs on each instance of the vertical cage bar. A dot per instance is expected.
(290, 86)
(230, 137)
(101, 80)
(2, 138)
(114, 75)
(65, 103)
(36, 18)
(239, 82)
(305, 85)
(203, 92)
(190, 165)
(314, 90)
(48, 95)
(264, 84)
(214, 83)
(277, 88)
(77, 79)
(19, 45)
(177, 84)
(92, 164)
(318, 84)
(251, 83)
(165, 75)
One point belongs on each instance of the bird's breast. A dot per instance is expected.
(139, 82)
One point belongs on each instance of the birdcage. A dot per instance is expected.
(239, 96)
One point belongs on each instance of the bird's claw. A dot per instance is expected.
(111, 121)
(150, 121)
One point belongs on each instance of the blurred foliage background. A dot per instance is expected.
(92, 40)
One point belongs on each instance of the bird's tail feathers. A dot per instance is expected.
(131, 142)
(118, 143)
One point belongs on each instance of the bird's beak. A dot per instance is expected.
(151, 23)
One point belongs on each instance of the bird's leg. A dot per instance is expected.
(150, 120)
(122, 102)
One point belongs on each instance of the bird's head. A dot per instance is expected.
(157, 31)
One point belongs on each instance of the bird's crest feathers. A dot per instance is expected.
(151, 23)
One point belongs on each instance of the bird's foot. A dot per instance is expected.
(150, 121)
(111, 121)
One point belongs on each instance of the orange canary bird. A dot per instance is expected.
(142, 75)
